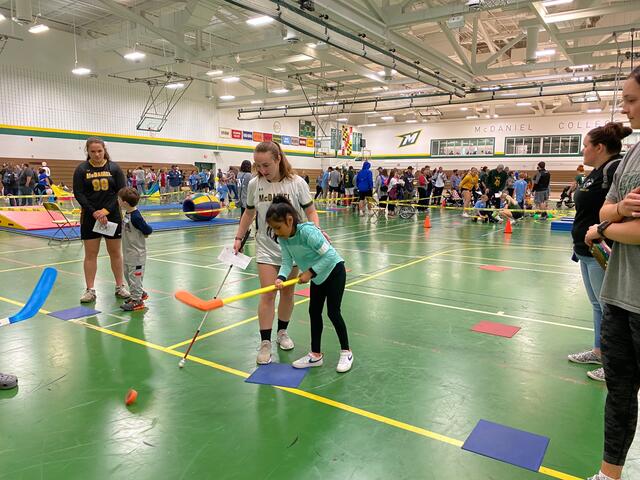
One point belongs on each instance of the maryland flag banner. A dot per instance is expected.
(346, 132)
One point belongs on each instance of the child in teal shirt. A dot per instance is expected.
(305, 244)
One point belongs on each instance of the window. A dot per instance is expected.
(462, 147)
(630, 141)
(545, 145)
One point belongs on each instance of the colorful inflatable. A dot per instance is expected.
(198, 207)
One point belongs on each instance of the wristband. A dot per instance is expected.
(618, 211)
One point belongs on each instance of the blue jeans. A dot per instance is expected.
(592, 277)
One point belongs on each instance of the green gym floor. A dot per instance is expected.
(421, 379)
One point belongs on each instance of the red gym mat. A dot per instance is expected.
(27, 219)
(304, 292)
(494, 268)
(498, 329)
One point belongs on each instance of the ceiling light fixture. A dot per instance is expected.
(332, 103)
(411, 121)
(580, 67)
(259, 21)
(523, 104)
(386, 118)
(382, 73)
(256, 102)
(368, 125)
(594, 110)
(134, 56)
(342, 119)
(471, 117)
(39, 28)
(280, 90)
(546, 52)
(81, 71)
(464, 109)
(231, 79)
(77, 69)
(553, 3)
(2, 17)
(227, 97)
(213, 73)
(174, 85)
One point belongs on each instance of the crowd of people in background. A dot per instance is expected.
(21, 181)
(472, 189)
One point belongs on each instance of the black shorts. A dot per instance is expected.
(334, 189)
(365, 194)
(87, 222)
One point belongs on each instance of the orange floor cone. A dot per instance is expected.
(427, 222)
(507, 227)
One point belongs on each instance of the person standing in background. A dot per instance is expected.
(26, 182)
(541, 183)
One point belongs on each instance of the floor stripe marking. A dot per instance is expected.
(317, 398)
(470, 310)
(554, 272)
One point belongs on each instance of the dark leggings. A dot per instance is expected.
(621, 361)
(330, 290)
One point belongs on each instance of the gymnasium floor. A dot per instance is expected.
(420, 383)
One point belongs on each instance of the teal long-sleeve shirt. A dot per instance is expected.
(309, 250)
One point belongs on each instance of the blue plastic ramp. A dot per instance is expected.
(38, 297)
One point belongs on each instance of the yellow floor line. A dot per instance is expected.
(302, 393)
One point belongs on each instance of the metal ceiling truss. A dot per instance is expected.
(412, 102)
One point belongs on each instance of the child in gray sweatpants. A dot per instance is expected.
(134, 247)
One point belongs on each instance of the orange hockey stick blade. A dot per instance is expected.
(195, 302)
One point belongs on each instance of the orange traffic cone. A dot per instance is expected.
(507, 227)
(427, 222)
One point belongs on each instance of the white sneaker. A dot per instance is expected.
(585, 357)
(88, 296)
(284, 340)
(308, 361)
(597, 374)
(361, 214)
(264, 353)
(345, 362)
(122, 292)
(465, 215)
(600, 476)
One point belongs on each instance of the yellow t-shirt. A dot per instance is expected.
(469, 182)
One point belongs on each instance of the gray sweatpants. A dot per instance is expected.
(134, 275)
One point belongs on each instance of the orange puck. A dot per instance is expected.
(131, 397)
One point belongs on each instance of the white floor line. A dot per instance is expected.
(199, 266)
(503, 260)
(555, 272)
(470, 310)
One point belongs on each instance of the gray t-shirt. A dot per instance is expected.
(621, 280)
(334, 178)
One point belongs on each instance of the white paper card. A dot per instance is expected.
(239, 260)
(109, 229)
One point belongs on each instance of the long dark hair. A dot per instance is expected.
(609, 135)
(279, 209)
(245, 166)
(92, 140)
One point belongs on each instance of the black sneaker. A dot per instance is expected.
(132, 305)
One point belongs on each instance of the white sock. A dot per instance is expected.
(602, 476)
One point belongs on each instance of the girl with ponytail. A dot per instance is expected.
(274, 177)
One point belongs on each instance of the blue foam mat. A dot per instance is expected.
(281, 374)
(75, 312)
(509, 445)
(74, 232)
